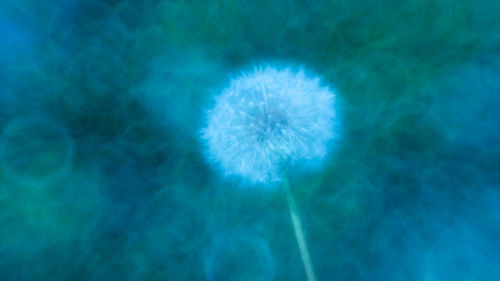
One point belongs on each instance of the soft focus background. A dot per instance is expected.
(102, 174)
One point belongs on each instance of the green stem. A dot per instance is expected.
(299, 232)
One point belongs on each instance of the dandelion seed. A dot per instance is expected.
(293, 110)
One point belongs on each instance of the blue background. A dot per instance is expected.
(102, 174)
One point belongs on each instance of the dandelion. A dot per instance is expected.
(268, 122)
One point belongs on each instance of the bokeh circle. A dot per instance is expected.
(34, 151)
(239, 256)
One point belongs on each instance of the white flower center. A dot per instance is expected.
(270, 126)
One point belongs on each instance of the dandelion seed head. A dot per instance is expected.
(267, 120)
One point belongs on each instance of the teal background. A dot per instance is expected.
(102, 171)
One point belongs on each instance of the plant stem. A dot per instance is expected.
(299, 232)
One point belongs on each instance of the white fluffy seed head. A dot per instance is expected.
(270, 120)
